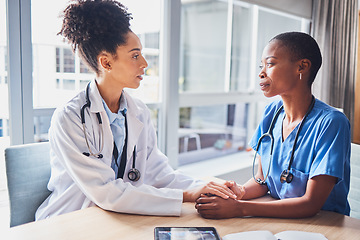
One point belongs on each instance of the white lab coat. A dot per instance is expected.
(78, 181)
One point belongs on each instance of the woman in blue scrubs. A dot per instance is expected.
(309, 168)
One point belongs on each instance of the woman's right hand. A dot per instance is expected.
(239, 190)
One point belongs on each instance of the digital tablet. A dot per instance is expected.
(182, 233)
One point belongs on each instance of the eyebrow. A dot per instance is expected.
(270, 57)
(135, 49)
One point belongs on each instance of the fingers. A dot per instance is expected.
(241, 193)
(229, 184)
(221, 190)
(204, 202)
(212, 207)
(239, 190)
(204, 198)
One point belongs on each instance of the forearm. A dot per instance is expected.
(285, 208)
(254, 190)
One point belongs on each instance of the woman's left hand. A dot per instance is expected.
(217, 208)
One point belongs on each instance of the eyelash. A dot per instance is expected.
(268, 65)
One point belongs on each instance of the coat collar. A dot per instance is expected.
(95, 98)
(135, 126)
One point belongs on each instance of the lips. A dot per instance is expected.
(140, 76)
(264, 85)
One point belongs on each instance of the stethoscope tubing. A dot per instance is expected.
(269, 134)
(98, 155)
(133, 174)
(82, 115)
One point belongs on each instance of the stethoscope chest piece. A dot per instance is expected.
(261, 182)
(134, 174)
(286, 176)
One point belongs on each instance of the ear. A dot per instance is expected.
(104, 60)
(304, 66)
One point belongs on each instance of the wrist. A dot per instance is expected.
(187, 197)
(242, 208)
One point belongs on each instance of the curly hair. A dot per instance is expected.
(93, 26)
(302, 46)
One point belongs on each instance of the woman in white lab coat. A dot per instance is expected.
(88, 134)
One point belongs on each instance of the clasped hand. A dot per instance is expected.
(221, 203)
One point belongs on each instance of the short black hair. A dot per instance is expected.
(93, 26)
(302, 46)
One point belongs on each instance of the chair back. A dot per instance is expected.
(28, 173)
(354, 193)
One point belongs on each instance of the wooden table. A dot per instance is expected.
(95, 223)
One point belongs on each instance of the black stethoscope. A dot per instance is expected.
(286, 175)
(133, 174)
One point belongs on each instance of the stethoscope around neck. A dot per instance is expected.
(286, 175)
(133, 174)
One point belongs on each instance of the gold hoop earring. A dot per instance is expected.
(300, 76)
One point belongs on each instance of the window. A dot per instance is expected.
(146, 24)
(65, 60)
(240, 74)
(58, 60)
(4, 106)
(221, 47)
(68, 64)
(84, 68)
(4, 109)
(280, 22)
(211, 131)
(84, 83)
(203, 47)
(69, 61)
(59, 74)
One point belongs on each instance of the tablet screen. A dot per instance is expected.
(182, 233)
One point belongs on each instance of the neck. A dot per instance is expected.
(111, 93)
(296, 107)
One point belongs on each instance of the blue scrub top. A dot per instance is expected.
(322, 148)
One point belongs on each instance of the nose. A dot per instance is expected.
(144, 63)
(262, 73)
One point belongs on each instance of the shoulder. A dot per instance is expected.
(71, 109)
(135, 105)
(272, 108)
(327, 114)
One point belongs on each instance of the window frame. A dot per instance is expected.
(21, 128)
